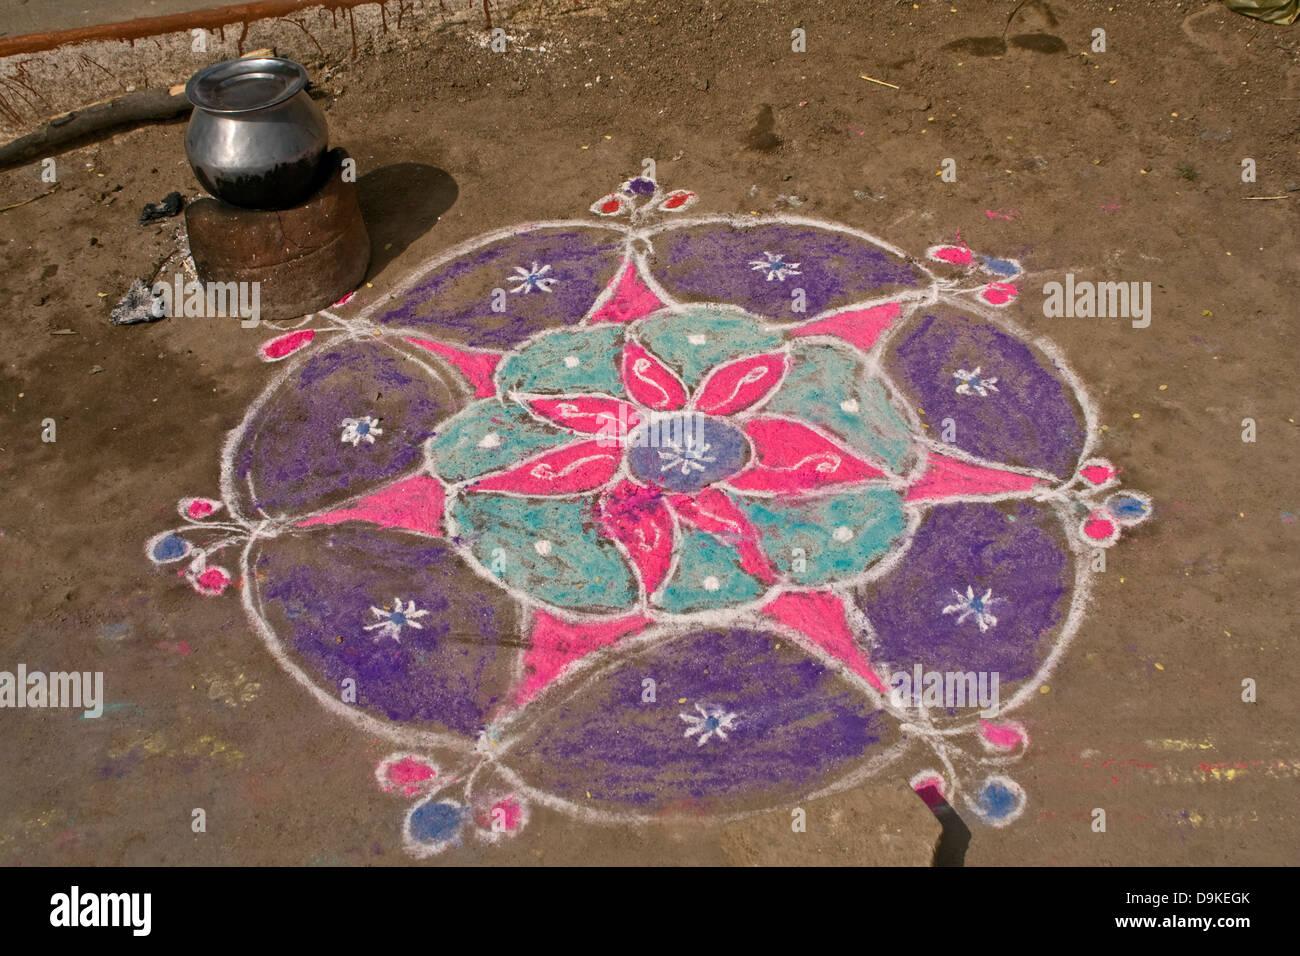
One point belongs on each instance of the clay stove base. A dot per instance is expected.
(305, 258)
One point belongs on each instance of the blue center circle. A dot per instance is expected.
(685, 451)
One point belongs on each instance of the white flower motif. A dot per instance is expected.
(357, 430)
(968, 604)
(391, 621)
(534, 278)
(972, 383)
(689, 455)
(709, 722)
(775, 266)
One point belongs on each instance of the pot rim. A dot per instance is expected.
(202, 88)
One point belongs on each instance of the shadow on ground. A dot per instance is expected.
(400, 203)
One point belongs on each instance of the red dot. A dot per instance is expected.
(611, 205)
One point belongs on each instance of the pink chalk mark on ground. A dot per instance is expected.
(1009, 215)
(819, 616)
(555, 644)
(1098, 474)
(957, 255)
(950, 478)
(409, 775)
(1099, 528)
(999, 293)
(712, 511)
(860, 327)
(414, 504)
(649, 381)
(211, 582)
(200, 508)
(631, 299)
(285, 345)
(790, 457)
(478, 367)
(1002, 736)
(735, 386)
(582, 466)
(180, 648)
(510, 810)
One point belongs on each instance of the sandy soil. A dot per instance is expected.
(1123, 165)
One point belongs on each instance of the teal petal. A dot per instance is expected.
(547, 548)
(488, 436)
(835, 537)
(725, 336)
(830, 387)
(576, 361)
(708, 576)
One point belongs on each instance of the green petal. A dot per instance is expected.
(547, 548)
(573, 361)
(829, 387)
(708, 575)
(817, 541)
(718, 337)
(488, 436)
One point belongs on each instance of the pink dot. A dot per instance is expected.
(200, 509)
(213, 580)
(1097, 474)
(1098, 528)
(954, 254)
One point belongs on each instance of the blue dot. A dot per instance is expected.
(687, 451)
(398, 618)
(436, 822)
(997, 800)
(363, 428)
(712, 723)
(1128, 507)
(1002, 267)
(170, 548)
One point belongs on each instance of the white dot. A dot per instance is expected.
(851, 406)
(842, 533)
(697, 339)
(572, 361)
(490, 440)
(542, 547)
(711, 583)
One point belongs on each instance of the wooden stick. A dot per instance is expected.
(863, 76)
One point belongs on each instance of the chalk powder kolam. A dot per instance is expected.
(449, 521)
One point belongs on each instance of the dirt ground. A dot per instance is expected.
(1123, 165)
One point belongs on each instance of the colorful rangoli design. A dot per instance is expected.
(641, 517)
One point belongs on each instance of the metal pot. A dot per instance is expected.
(255, 137)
